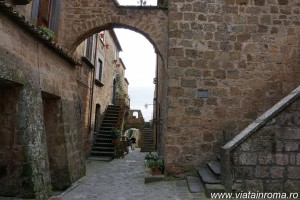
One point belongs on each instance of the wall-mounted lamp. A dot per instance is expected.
(154, 81)
(147, 105)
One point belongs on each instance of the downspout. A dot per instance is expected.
(92, 83)
(156, 104)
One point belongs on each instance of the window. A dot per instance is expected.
(90, 49)
(46, 13)
(99, 70)
(116, 55)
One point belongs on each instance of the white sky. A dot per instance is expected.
(140, 60)
(137, 2)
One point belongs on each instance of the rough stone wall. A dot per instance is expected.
(161, 105)
(84, 80)
(270, 159)
(57, 77)
(56, 142)
(26, 61)
(103, 95)
(134, 119)
(243, 53)
(30, 131)
(14, 166)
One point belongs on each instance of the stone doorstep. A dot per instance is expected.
(194, 184)
(152, 178)
(60, 196)
(213, 188)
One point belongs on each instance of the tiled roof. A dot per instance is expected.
(36, 32)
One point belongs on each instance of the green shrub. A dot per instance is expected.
(49, 33)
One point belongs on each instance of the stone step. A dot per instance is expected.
(111, 117)
(213, 188)
(147, 146)
(107, 132)
(107, 123)
(103, 144)
(147, 136)
(103, 138)
(112, 114)
(148, 139)
(102, 152)
(112, 109)
(106, 128)
(194, 184)
(106, 149)
(207, 176)
(147, 149)
(110, 121)
(104, 134)
(101, 158)
(147, 142)
(215, 167)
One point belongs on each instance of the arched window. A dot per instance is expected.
(135, 114)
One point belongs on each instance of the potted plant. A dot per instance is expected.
(156, 166)
(155, 163)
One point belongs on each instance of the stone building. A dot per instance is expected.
(220, 65)
(51, 102)
(103, 75)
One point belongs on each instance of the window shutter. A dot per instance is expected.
(55, 12)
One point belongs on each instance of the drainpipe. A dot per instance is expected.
(156, 103)
(93, 84)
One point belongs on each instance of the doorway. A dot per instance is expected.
(13, 162)
(97, 118)
(56, 142)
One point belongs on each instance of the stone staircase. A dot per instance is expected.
(147, 144)
(209, 179)
(103, 148)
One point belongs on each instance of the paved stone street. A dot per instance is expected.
(123, 179)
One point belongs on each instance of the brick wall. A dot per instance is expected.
(270, 159)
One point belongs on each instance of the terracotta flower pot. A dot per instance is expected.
(155, 171)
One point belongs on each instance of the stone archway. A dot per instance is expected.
(81, 19)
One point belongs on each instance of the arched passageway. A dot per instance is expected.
(84, 18)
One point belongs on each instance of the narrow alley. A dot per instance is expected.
(123, 179)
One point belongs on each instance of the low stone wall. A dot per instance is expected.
(269, 160)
